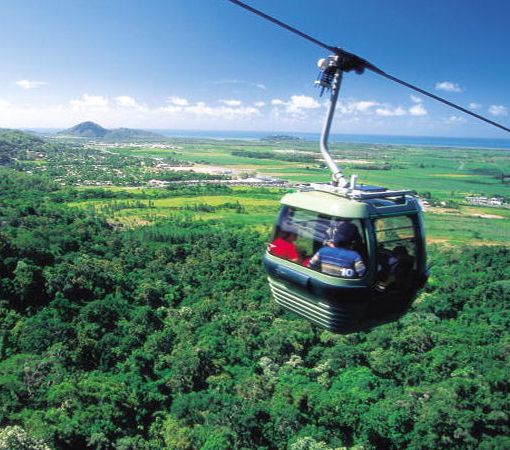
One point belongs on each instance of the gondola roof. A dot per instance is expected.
(354, 204)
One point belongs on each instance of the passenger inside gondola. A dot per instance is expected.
(301, 235)
(395, 253)
(403, 268)
(283, 245)
(337, 257)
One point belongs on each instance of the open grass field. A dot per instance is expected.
(440, 174)
(466, 225)
(447, 173)
(456, 229)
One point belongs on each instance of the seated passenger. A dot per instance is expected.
(394, 269)
(404, 267)
(336, 257)
(283, 246)
(357, 241)
(405, 260)
(386, 266)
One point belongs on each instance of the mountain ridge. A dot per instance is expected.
(92, 130)
(16, 144)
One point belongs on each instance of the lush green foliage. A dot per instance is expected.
(15, 145)
(293, 156)
(165, 337)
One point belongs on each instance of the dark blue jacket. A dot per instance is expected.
(338, 261)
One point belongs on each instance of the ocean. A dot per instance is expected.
(422, 141)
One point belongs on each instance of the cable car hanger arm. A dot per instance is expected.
(354, 62)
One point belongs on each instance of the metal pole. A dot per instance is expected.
(338, 177)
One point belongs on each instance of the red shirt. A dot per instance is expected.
(280, 247)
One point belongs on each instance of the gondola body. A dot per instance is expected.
(387, 221)
(389, 238)
(389, 241)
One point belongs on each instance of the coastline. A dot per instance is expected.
(335, 138)
(422, 141)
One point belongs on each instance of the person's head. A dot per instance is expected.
(289, 233)
(400, 250)
(343, 234)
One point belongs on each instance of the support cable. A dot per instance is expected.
(354, 62)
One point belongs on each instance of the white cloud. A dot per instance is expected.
(474, 105)
(27, 84)
(356, 106)
(498, 110)
(296, 112)
(389, 112)
(454, 120)
(126, 101)
(228, 110)
(298, 103)
(224, 112)
(231, 102)
(178, 101)
(364, 105)
(372, 107)
(417, 110)
(87, 101)
(448, 86)
(4, 103)
(171, 109)
(177, 112)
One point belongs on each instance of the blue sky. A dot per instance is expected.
(207, 64)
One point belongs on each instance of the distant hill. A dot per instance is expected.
(280, 137)
(87, 130)
(15, 144)
(132, 134)
(92, 130)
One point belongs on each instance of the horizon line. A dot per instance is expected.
(273, 132)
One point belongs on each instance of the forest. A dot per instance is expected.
(164, 336)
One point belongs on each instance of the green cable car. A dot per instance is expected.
(389, 239)
(384, 253)
(345, 255)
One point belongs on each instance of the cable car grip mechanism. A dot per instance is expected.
(330, 79)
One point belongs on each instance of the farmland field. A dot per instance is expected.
(444, 176)
(441, 171)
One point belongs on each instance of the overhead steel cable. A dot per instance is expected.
(439, 99)
(358, 64)
(283, 25)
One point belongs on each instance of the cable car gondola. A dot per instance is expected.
(378, 229)
(386, 230)
(391, 242)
